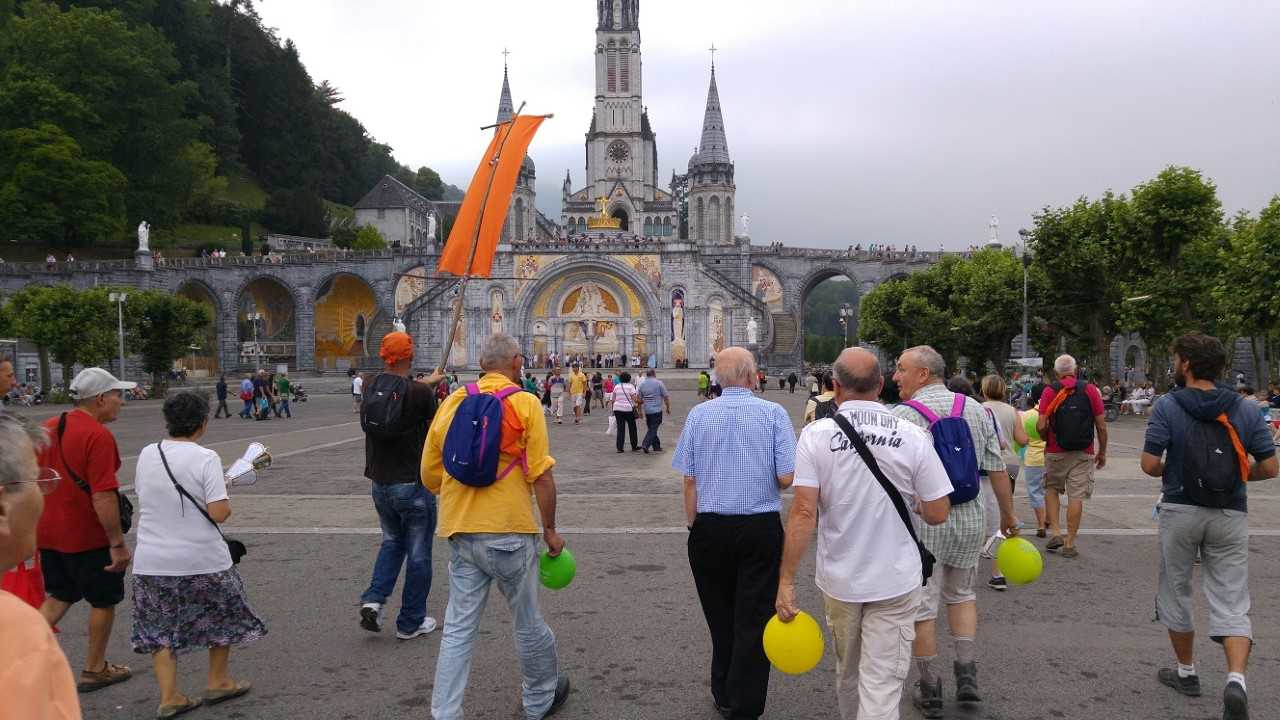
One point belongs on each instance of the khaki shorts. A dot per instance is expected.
(950, 585)
(1069, 472)
(578, 400)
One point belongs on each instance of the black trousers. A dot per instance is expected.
(222, 409)
(651, 423)
(626, 420)
(735, 561)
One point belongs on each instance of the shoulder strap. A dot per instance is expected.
(473, 389)
(62, 428)
(506, 392)
(183, 491)
(957, 405)
(1241, 456)
(865, 452)
(920, 407)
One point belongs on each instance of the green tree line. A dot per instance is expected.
(1160, 260)
(79, 327)
(115, 111)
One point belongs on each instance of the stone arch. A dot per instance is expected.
(811, 281)
(273, 337)
(648, 226)
(204, 361)
(713, 227)
(619, 211)
(348, 322)
(666, 227)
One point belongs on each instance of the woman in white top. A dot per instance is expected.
(186, 591)
(624, 399)
(1012, 434)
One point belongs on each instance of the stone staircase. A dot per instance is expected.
(785, 333)
(744, 295)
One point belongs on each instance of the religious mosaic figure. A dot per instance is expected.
(677, 325)
(717, 328)
(495, 313)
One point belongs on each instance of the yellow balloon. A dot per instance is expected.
(1019, 561)
(795, 647)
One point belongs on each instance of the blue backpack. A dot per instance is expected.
(474, 440)
(954, 444)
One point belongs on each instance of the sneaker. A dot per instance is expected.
(1054, 543)
(1070, 552)
(562, 694)
(1235, 703)
(928, 699)
(1040, 532)
(1189, 686)
(967, 683)
(426, 627)
(998, 583)
(371, 615)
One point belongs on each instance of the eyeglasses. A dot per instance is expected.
(47, 481)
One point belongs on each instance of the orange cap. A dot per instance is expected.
(396, 346)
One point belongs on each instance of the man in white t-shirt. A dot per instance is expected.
(868, 565)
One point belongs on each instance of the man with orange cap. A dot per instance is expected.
(395, 412)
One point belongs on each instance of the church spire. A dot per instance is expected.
(506, 108)
(714, 146)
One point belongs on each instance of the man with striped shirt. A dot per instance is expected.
(737, 452)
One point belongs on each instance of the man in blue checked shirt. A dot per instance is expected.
(737, 452)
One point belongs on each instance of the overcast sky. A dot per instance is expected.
(849, 122)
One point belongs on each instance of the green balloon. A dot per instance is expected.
(557, 572)
(1029, 419)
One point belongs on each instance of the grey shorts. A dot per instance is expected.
(950, 585)
(1222, 539)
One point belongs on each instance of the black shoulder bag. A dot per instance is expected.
(927, 559)
(126, 507)
(235, 547)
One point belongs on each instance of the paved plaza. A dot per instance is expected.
(1080, 643)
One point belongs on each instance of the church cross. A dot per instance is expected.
(712, 50)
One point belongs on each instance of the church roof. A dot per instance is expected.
(391, 193)
(506, 108)
(714, 147)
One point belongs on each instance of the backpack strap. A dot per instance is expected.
(473, 389)
(505, 392)
(1241, 456)
(920, 407)
(957, 405)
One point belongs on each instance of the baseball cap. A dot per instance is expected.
(94, 381)
(396, 346)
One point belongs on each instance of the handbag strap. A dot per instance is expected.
(62, 428)
(865, 452)
(183, 491)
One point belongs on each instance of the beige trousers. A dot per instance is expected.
(873, 653)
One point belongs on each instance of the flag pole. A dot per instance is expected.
(475, 242)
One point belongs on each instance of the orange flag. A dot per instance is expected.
(512, 140)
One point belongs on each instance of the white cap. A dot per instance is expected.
(94, 381)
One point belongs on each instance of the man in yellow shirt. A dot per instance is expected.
(493, 536)
(578, 391)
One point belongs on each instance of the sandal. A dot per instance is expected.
(107, 676)
(220, 695)
(172, 711)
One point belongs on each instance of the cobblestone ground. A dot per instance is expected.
(1080, 643)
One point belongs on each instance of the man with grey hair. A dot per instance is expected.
(736, 453)
(493, 538)
(956, 543)
(869, 566)
(1069, 420)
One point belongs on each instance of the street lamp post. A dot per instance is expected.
(119, 298)
(1026, 263)
(253, 318)
(846, 312)
(193, 348)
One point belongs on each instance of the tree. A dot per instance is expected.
(369, 238)
(428, 183)
(51, 194)
(73, 326)
(296, 212)
(986, 306)
(1248, 299)
(162, 327)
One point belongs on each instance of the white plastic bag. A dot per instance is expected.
(613, 426)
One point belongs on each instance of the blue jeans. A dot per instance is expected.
(247, 410)
(282, 406)
(1035, 485)
(475, 561)
(652, 421)
(407, 513)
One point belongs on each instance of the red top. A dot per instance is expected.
(69, 524)
(1046, 399)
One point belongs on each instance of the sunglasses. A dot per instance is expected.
(47, 481)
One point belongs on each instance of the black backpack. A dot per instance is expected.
(824, 409)
(382, 407)
(1072, 422)
(1214, 464)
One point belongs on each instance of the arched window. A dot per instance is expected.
(624, 69)
(611, 59)
(519, 236)
(699, 225)
(728, 217)
(713, 209)
(648, 227)
(666, 227)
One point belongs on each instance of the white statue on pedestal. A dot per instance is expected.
(746, 224)
(144, 237)
(752, 328)
(431, 228)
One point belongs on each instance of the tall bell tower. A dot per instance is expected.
(617, 146)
